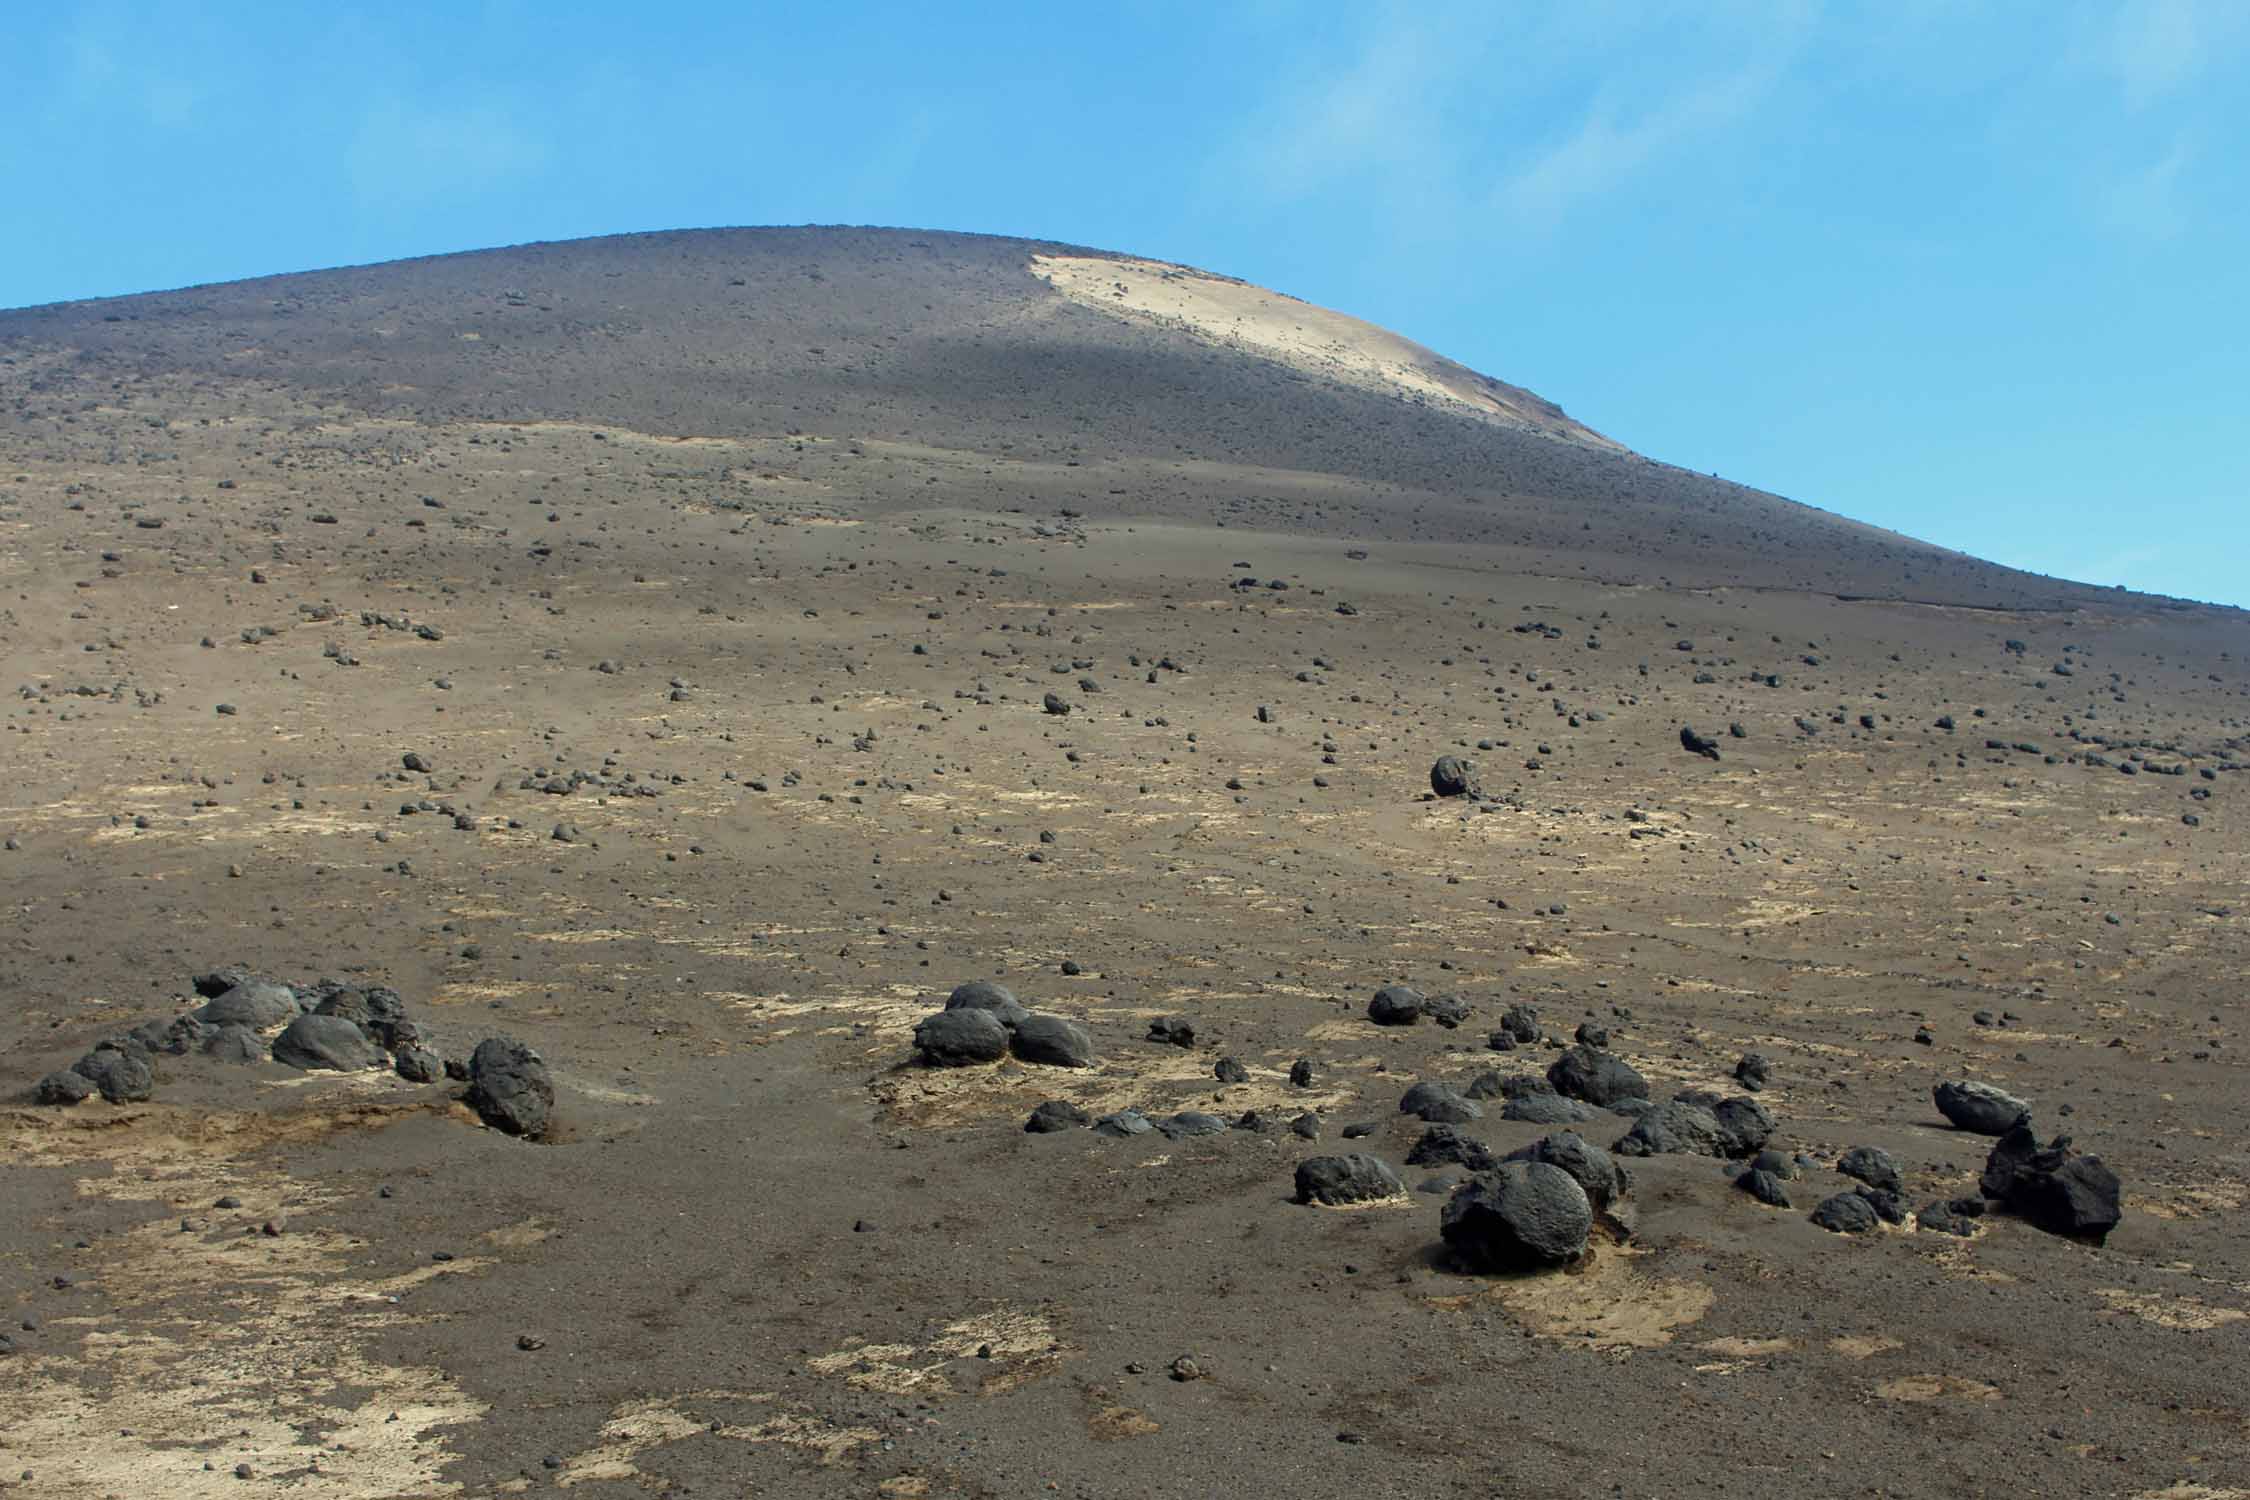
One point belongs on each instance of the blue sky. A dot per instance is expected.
(1977, 272)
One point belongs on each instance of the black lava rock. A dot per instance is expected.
(124, 1076)
(1873, 1167)
(256, 1003)
(1845, 1213)
(1445, 1145)
(68, 1086)
(1979, 1108)
(1054, 1041)
(1522, 1215)
(1174, 1031)
(1598, 1077)
(1355, 1178)
(959, 1038)
(1395, 1005)
(326, 1042)
(2053, 1187)
(983, 994)
(1439, 1103)
(1696, 744)
(1054, 1115)
(1763, 1186)
(510, 1088)
(1594, 1170)
(1452, 777)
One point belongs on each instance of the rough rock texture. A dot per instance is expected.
(1054, 1041)
(318, 1041)
(1395, 1005)
(2053, 1186)
(1522, 1215)
(1594, 1170)
(1354, 1178)
(1979, 1107)
(959, 1038)
(255, 1003)
(1598, 1077)
(984, 994)
(509, 1087)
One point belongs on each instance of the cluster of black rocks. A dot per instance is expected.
(323, 1025)
(983, 1022)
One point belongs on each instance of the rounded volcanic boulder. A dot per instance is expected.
(1594, 1170)
(1355, 1178)
(1395, 1005)
(1979, 1108)
(983, 994)
(1598, 1077)
(256, 1003)
(326, 1042)
(1053, 1115)
(124, 1075)
(68, 1086)
(235, 1044)
(509, 1087)
(1873, 1166)
(1452, 776)
(1520, 1216)
(1846, 1213)
(960, 1038)
(1053, 1040)
(1439, 1104)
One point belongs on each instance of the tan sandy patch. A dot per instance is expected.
(2182, 1313)
(1010, 1347)
(1320, 342)
(1601, 1302)
(1864, 1345)
(1936, 1388)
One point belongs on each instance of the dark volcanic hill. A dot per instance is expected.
(965, 345)
(623, 689)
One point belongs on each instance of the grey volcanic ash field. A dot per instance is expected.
(1479, 964)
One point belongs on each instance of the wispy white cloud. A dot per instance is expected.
(2147, 199)
(1478, 118)
(2155, 46)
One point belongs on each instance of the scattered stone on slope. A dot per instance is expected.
(960, 1038)
(2053, 1187)
(1439, 1103)
(318, 1041)
(66, 1086)
(1754, 1071)
(1445, 1145)
(1696, 744)
(984, 994)
(509, 1087)
(1123, 1123)
(1452, 776)
(124, 1075)
(1355, 1178)
(1055, 1041)
(1979, 1108)
(1598, 1077)
(1596, 1172)
(1395, 1005)
(1763, 1186)
(1521, 1215)
(1845, 1213)
(1230, 1070)
(1872, 1166)
(256, 1003)
(1172, 1031)
(1056, 1114)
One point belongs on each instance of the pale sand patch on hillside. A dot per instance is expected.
(1298, 334)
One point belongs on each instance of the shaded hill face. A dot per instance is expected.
(1068, 384)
